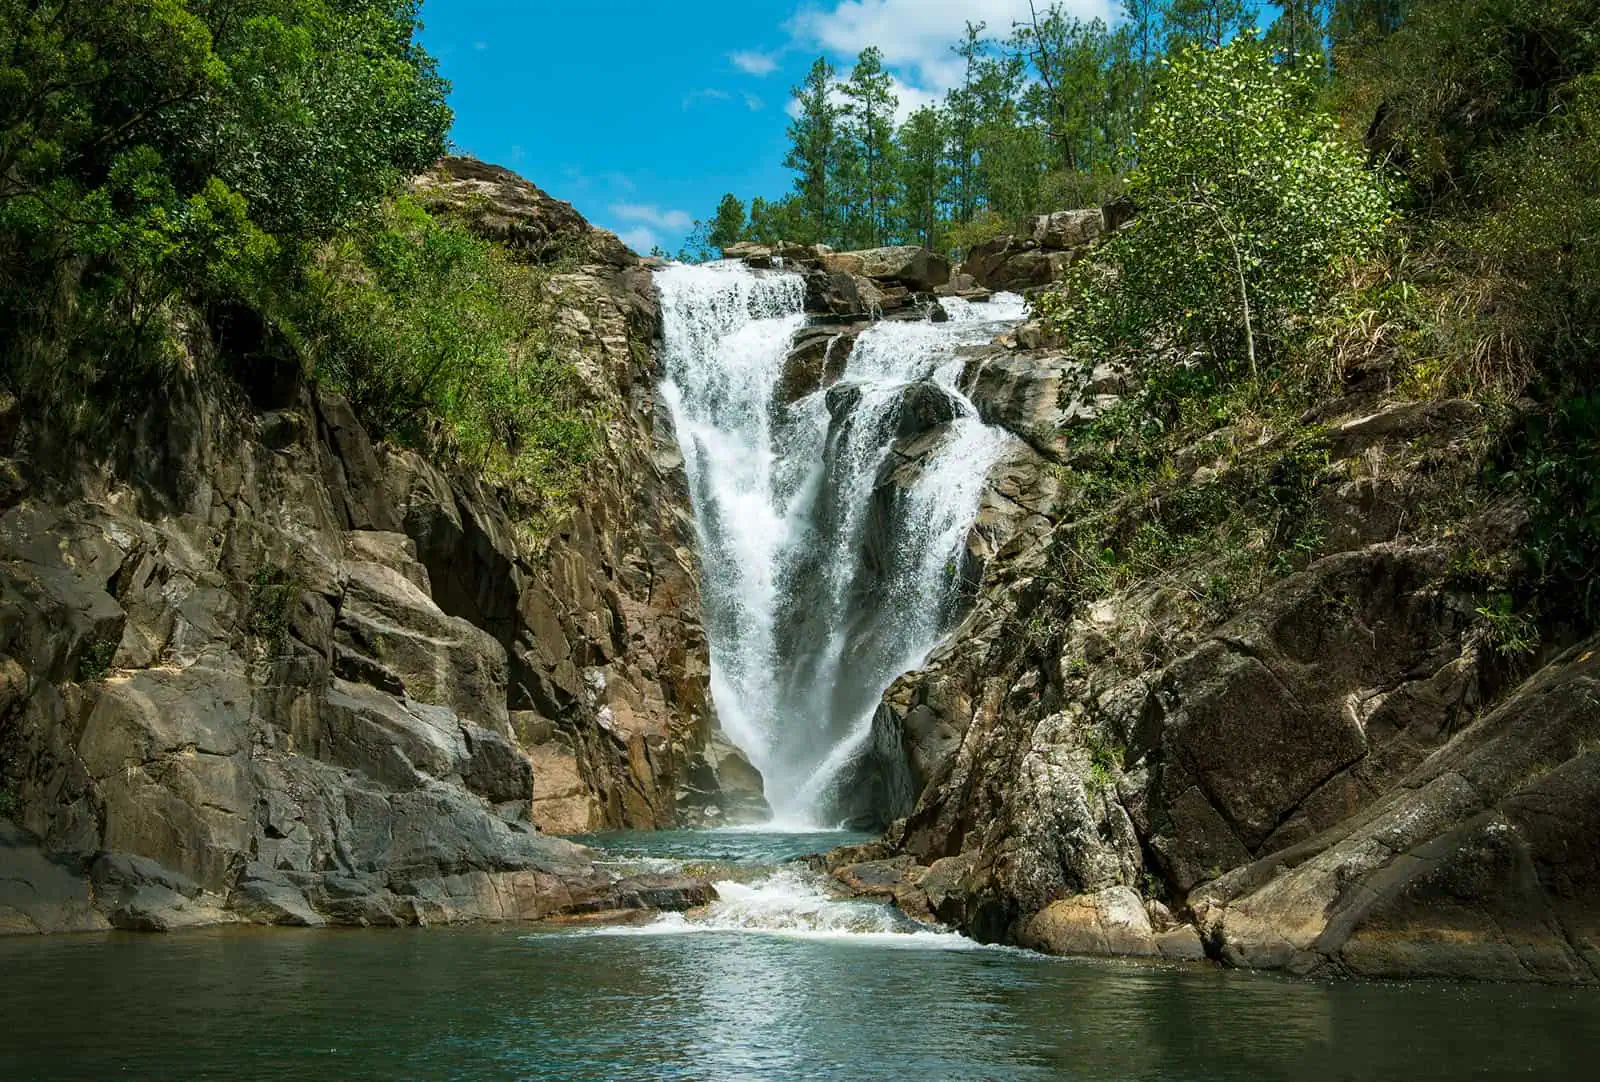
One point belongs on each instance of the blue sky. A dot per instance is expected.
(642, 113)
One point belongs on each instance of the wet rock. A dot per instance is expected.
(1111, 922)
(816, 361)
(924, 406)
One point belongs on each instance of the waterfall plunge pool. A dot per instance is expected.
(781, 984)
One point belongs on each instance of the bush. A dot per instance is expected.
(1247, 202)
(440, 341)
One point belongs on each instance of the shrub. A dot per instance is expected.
(440, 340)
(1248, 200)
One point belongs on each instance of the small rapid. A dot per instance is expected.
(791, 903)
(832, 528)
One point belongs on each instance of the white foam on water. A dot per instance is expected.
(789, 903)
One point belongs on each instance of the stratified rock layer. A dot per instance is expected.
(1344, 776)
(255, 667)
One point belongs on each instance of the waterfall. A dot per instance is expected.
(832, 528)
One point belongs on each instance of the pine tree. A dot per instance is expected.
(729, 225)
(963, 111)
(869, 108)
(1299, 29)
(922, 176)
(1205, 22)
(814, 151)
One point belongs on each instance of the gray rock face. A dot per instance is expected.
(258, 668)
(1333, 781)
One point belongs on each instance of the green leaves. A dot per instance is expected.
(1247, 202)
(440, 341)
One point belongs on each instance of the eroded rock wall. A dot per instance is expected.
(253, 666)
(1345, 775)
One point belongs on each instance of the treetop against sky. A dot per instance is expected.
(643, 114)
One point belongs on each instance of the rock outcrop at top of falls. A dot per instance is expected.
(254, 666)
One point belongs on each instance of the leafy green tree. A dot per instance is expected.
(151, 149)
(729, 224)
(814, 151)
(1247, 201)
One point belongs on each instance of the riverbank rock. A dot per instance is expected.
(1336, 776)
(255, 666)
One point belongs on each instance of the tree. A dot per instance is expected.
(770, 223)
(729, 225)
(1205, 22)
(869, 109)
(922, 176)
(1247, 199)
(965, 116)
(814, 150)
(1298, 30)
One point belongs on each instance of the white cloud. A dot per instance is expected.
(911, 99)
(753, 103)
(916, 35)
(752, 62)
(671, 221)
(480, 46)
(694, 98)
(640, 238)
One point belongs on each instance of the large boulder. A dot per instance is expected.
(917, 268)
(816, 361)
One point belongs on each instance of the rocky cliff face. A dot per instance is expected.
(1338, 772)
(256, 667)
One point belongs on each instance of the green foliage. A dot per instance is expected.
(95, 661)
(729, 224)
(1445, 87)
(158, 150)
(439, 340)
(1105, 764)
(1511, 633)
(814, 152)
(273, 592)
(1553, 460)
(1248, 202)
(867, 190)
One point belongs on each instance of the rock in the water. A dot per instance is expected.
(816, 361)
(1111, 922)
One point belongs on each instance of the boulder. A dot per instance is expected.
(1109, 922)
(1067, 229)
(816, 360)
(1014, 265)
(907, 265)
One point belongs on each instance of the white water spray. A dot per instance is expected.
(825, 574)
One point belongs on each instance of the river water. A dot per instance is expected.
(774, 982)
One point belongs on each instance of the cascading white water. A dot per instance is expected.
(826, 573)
